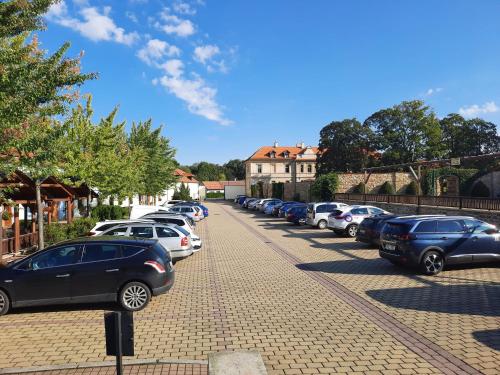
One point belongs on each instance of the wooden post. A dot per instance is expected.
(69, 211)
(25, 219)
(17, 230)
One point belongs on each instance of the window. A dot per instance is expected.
(309, 168)
(163, 232)
(376, 211)
(426, 227)
(259, 168)
(62, 256)
(129, 251)
(287, 168)
(450, 226)
(476, 226)
(141, 232)
(321, 209)
(286, 154)
(119, 231)
(302, 168)
(104, 227)
(186, 209)
(272, 154)
(359, 211)
(98, 252)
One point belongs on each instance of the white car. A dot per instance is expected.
(346, 220)
(102, 226)
(193, 212)
(317, 213)
(173, 238)
(182, 221)
(139, 210)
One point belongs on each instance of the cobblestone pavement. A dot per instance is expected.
(308, 301)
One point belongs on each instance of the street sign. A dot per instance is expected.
(455, 161)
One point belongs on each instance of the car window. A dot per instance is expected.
(104, 227)
(129, 251)
(331, 207)
(376, 211)
(98, 252)
(477, 226)
(163, 232)
(142, 232)
(187, 209)
(450, 226)
(426, 227)
(118, 231)
(61, 256)
(359, 211)
(321, 209)
(182, 230)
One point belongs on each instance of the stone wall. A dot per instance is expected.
(492, 217)
(349, 181)
(303, 189)
(492, 180)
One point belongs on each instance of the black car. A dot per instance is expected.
(86, 270)
(431, 243)
(369, 229)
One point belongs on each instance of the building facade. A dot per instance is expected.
(281, 164)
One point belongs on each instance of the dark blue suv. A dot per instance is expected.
(433, 242)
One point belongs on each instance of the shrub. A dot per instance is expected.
(115, 213)
(80, 227)
(480, 190)
(182, 194)
(325, 186)
(253, 190)
(359, 188)
(125, 213)
(215, 195)
(411, 188)
(54, 233)
(387, 188)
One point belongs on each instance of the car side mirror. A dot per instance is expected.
(491, 231)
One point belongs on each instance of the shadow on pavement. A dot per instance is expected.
(472, 299)
(490, 338)
(356, 267)
(66, 308)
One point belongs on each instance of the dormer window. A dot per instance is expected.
(286, 154)
(272, 154)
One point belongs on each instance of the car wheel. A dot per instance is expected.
(4, 303)
(432, 263)
(322, 224)
(352, 230)
(135, 296)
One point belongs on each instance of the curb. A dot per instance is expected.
(84, 365)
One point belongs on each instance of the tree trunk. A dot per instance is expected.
(39, 213)
(89, 198)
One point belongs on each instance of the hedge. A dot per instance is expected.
(103, 212)
(54, 233)
(387, 188)
(215, 195)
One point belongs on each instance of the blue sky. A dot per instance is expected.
(225, 77)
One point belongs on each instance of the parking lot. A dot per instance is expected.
(307, 300)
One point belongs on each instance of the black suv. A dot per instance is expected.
(91, 269)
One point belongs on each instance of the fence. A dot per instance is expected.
(26, 241)
(441, 201)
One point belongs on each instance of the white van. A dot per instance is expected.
(141, 210)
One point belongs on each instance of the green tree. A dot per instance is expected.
(348, 146)
(235, 169)
(325, 186)
(407, 132)
(183, 193)
(468, 137)
(205, 171)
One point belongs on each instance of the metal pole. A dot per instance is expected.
(118, 338)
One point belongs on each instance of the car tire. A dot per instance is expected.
(338, 232)
(4, 303)
(352, 230)
(322, 224)
(135, 296)
(432, 262)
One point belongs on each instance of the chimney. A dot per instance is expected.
(275, 144)
(300, 144)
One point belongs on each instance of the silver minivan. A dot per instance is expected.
(317, 213)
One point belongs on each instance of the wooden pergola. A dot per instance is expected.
(20, 191)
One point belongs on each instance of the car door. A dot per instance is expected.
(452, 237)
(358, 214)
(169, 238)
(45, 278)
(484, 241)
(96, 278)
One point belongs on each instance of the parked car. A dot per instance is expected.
(180, 220)
(276, 208)
(241, 200)
(172, 202)
(252, 205)
(284, 209)
(317, 213)
(247, 201)
(140, 210)
(102, 226)
(261, 203)
(193, 212)
(87, 270)
(203, 208)
(432, 243)
(173, 238)
(297, 214)
(264, 205)
(269, 207)
(346, 220)
(238, 197)
(370, 228)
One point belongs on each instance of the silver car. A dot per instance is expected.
(173, 238)
(317, 213)
(193, 212)
(175, 219)
(346, 220)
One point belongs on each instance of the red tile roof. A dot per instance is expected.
(185, 177)
(219, 185)
(264, 153)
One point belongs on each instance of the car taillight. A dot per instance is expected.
(348, 218)
(184, 241)
(405, 237)
(157, 266)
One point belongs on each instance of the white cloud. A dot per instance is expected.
(183, 8)
(433, 91)
(131, 16)
(94, 25)
(199, 97)
(475, 109)
(203, 54)
(155, 50)
(175, 25)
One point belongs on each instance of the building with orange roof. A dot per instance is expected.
(281, 164)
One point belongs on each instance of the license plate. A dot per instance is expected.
(390, 247)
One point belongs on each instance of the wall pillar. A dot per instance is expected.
(17, 230)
